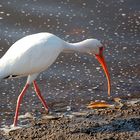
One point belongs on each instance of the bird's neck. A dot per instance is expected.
(72, 47)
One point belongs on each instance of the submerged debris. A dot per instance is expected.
(118, 104)
(98, 105)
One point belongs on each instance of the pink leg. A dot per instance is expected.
(37, 90)
(18, 103)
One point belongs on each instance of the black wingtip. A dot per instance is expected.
(10, 76)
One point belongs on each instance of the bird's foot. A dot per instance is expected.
(47, 111)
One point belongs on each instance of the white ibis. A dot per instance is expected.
(35, 53)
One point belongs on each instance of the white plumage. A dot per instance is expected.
(31, 55)
(35, 53)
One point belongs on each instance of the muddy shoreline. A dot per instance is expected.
(99, 124)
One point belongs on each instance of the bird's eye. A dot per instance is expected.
(101, 49)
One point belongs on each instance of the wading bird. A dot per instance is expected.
(35, 53)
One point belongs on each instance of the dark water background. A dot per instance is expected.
(74, 79)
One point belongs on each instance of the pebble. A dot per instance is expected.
(80, 114)
(51, 117)
(27, 115)
(8, 129)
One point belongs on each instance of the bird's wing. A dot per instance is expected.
(32, 54)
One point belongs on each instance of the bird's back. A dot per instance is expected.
(33, 53)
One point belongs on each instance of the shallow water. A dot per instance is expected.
(74, 79)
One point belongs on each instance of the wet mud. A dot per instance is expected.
(100, 124)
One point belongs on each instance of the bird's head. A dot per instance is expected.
(96, 48)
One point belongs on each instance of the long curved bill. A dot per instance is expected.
(101, 60)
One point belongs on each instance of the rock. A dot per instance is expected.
(27, 115)
(51, 117)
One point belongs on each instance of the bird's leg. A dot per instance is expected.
(18, 103)
(37, 90)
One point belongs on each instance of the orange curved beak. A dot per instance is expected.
(101, 60)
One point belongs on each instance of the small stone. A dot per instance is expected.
(51, 117)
